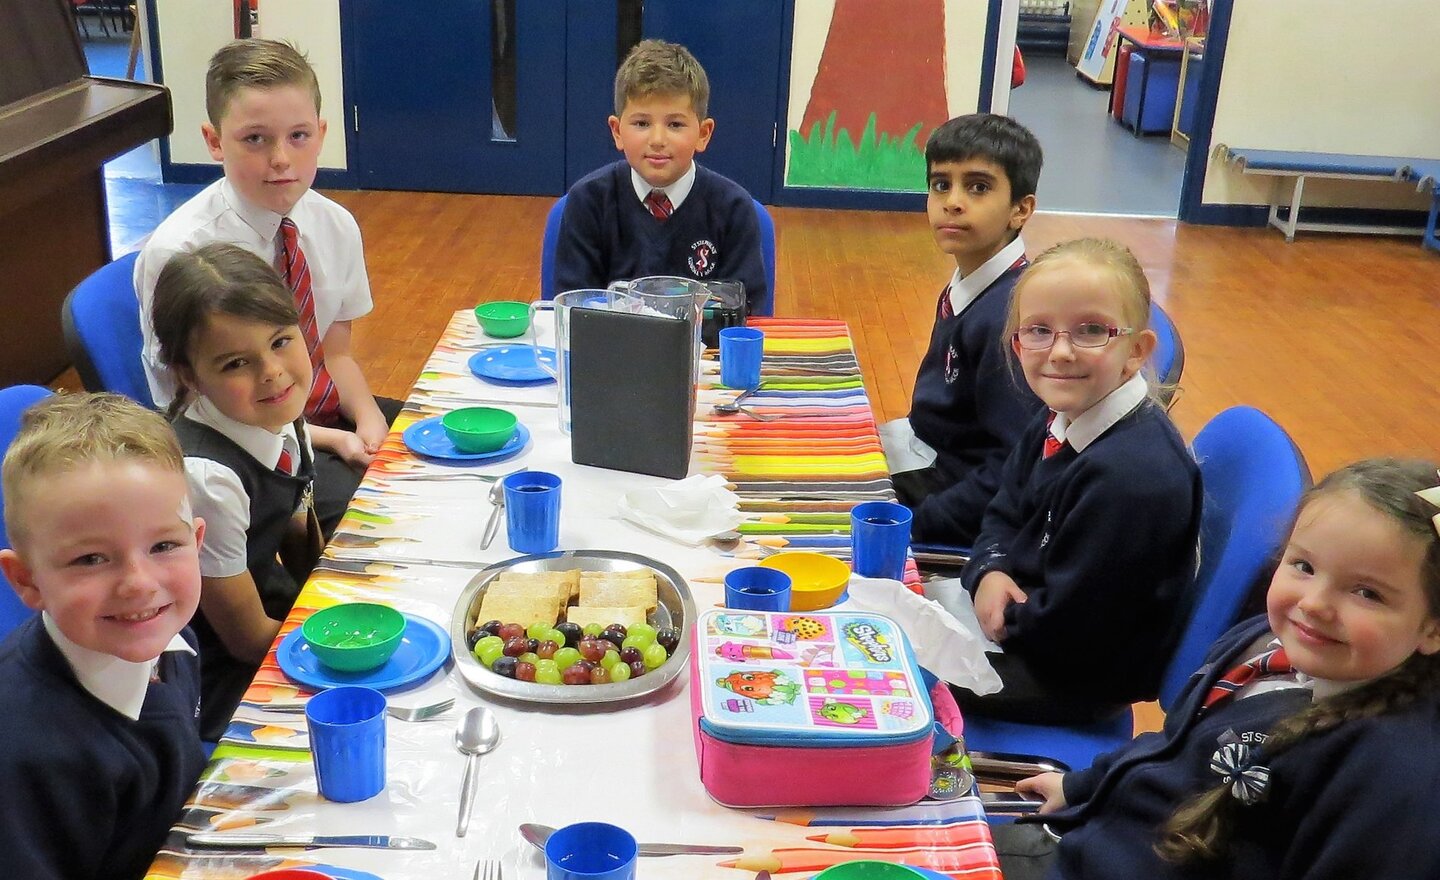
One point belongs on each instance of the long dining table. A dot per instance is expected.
(412, 539)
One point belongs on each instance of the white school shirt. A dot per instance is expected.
(1101, 417)
(677, 192)
(903, 450)
(119, 684)
(328, 235)
(216, 492)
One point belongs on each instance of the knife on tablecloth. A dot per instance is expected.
(230, 840)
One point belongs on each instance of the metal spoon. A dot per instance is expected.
(536, 835)
(733, 406)
(477, 734)
(497, 504)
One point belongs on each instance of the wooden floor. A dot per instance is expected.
(1336, 337)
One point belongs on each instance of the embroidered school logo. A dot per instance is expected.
(952, 370)
(703, 257)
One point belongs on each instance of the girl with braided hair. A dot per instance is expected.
(1308, 745)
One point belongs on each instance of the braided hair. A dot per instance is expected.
(1201, 827)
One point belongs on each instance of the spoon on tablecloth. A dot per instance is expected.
(477, 734)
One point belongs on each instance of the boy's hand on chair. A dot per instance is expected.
(996, 592)
(1048, 786)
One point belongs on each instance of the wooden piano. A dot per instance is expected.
(58, 125)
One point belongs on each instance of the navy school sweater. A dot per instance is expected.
(971, 408)
(87, 793)
(1103, 544)
(607, 234)
(1360, 800)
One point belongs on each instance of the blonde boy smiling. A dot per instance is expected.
(99, 744)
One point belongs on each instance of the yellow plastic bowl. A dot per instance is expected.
(816, 580)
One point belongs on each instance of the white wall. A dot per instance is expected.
(191, 31)
(1330, 76)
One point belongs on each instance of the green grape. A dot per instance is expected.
(639, 643)
(489, 648)
(554, 635)
(566, 657)
(538, 631)
(546, 664)
(528, 657)
(619, 672)
(654, 656)
(610, 660)
(547, 675)
(642, 631)
(593, 629)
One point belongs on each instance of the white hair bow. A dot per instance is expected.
(1432, 495)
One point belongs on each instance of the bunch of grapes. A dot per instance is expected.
(564, 653)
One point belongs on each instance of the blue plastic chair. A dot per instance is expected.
(13, 401)
(1167, 361)
(1253, 476)
(551, 237)
(101, 322)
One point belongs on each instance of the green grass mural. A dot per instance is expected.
(832, 159)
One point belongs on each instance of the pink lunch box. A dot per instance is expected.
(812, 709)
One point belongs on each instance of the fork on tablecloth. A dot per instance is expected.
(487, 869)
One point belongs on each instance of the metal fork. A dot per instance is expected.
(487, 869)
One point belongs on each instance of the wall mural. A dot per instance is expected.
(877, 87)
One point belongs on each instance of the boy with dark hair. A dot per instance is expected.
(657, 212)
(99, 742)
(968, 409)
(263, 103)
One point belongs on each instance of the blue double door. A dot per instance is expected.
(512, 96)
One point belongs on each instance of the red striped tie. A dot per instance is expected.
(1052, 444)
(286, 463)
(1272, 663)
(659, 205)
(323, 407)
(944, 309)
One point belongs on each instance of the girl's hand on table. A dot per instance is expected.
(996, 592)
(1048, 786)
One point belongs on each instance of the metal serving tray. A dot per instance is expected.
(676, 608)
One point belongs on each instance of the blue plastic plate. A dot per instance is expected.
(512, 363)
(427, 437)
(422, 650)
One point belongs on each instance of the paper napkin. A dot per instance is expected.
(943, 644)
(688, 511)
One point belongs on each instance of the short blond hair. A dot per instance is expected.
(66, 431)
(655, 67)
(255, 64)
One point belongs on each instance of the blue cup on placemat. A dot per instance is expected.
(757, 589)
(532, 511)
(880, 535)
(347, 741)
(590, 851)
(740, 351)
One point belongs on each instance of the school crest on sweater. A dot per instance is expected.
(704, 257)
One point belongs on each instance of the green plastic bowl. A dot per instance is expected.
(479, 428)
(355, 637)
(505, 319)
(867, 869)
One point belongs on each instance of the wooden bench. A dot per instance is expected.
(1422, 173)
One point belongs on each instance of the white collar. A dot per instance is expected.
(263, 445)
(966, 289)
(119, 684)
(676, 192)
(1101, 417)
(266, 223)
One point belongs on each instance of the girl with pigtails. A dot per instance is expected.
(1308, 745)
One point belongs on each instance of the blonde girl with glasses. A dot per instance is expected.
(1086, 550)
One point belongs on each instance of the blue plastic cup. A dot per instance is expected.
(590, 851)
(754, 588)
(347, 741)
(532, 511)
(880, 535)
(740, 351)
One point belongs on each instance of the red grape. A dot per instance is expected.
(593, 649)
(637, 668)
(510, 631)
(546, 650)
(631, 654)
(576, 674)
(525, 671)
(516, 646)
(598, 675)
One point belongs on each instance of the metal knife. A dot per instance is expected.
(249, 840)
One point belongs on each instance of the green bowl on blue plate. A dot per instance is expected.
(504, 319)
(354, 637)
(477, 429)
